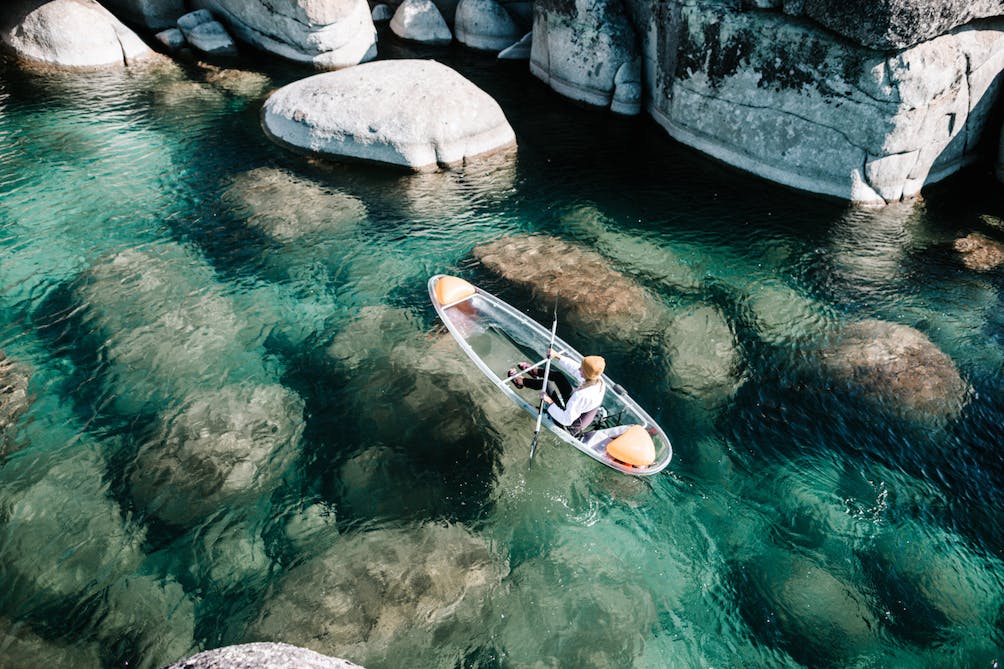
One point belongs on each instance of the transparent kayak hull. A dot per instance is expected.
(496, 337)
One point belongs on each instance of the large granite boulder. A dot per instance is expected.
(384, 594)
(69, 33)
(412, 113)
(810, 110)
(262, 656)
(898, 368)
(587, 51)
(327, 34)
(420, 21)
(485, 25)
(153, 14)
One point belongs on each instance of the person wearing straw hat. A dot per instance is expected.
(573, 408)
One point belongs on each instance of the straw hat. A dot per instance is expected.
(593, 366)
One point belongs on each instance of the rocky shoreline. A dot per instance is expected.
(864, 103)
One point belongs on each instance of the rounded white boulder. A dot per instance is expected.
(413, 113)
(69, 33)
(420, 21)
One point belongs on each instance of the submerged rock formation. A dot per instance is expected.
(69, 33)
(587, 51)
(327, 34)
(897, 367)
(412, 113)
(587, 289)
(979, 252)
(224, 447)
(377, 591)
(262, 656)
(14, 398)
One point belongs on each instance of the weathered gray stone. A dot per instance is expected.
(172, 39)
(153, 14)
(382, 12)
(411, 113)
(69, 33)
(262, 656)
(212, 38)
(328, 34)
(485, 25)
(979, 252)
(518, 51)
(374, 593)
(811, 111)
(188, 22)
(587, 51)
(896, 24)
(898, 368)
(420, 21)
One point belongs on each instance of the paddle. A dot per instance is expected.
(547, 372)
(501, 382)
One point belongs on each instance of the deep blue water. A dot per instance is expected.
(183, 291)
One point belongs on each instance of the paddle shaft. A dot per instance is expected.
(547, 372)
(501, 382)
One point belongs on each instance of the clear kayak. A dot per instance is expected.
(496, 336)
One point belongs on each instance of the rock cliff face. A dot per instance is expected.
(862, 101)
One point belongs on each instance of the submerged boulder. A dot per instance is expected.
(485, 25)
(264, 656)
(587, 51)
(420, 21)
(69, 33)
(327, 34)
(287, 207)
(223, 447)
(385, 593)
(899, 368)
(587, 289)
(979, 252)
(411, 113)
(14, 398)
(518, 51)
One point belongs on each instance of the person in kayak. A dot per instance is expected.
(573, 408)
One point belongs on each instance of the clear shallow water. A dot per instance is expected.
(179, 286)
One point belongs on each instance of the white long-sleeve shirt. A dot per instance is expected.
(581, 401)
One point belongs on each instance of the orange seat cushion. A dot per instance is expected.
(634, 447)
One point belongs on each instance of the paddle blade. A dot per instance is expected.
(533, 445)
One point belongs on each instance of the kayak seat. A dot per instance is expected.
(582, 424)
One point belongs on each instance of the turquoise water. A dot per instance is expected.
(248, 425)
